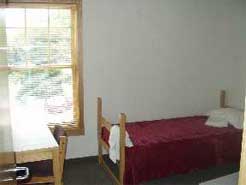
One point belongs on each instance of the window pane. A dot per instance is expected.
(60, 36)
(37, 46)
(60, 18)
(33, 42)
(37, 36)
(15, 46)
(3, 45)
(15, 37)
(37, 55)
(34, 37)
(60, 55)
(60, 46)
(3, 36)
(42, 93)
(16, 56)
(15, 17)
(37, 17)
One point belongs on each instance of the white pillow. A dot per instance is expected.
(225, 116)
(216, 122)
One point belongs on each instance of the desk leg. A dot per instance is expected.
(56, 167)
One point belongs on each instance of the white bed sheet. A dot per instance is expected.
(114, 143)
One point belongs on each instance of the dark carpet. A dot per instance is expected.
(86, 171)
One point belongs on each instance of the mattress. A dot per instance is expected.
(176, 146)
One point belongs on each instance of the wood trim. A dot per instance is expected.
(39, 67)
(122, 121)
(34, 155)
(37, 180)
(56, 167)
(102, 122)
(106, 124)
(80, 64)
(18, 4)
(58, 156)
(99, 129)
(62, 152)
(71, 129)
(77, 66)
(42, 1)
(242, 176)
(110, 173)
(6, 158)
(105, 145)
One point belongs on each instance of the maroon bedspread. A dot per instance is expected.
(176, 146)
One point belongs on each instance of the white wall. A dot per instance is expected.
(242, 49)
(158, 58)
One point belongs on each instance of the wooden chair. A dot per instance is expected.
(42, 171)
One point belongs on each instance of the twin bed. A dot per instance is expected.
(168, 146)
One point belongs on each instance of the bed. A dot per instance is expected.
(168, 146)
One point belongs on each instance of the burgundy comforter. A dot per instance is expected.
(176, 146)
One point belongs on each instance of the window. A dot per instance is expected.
(39, 49)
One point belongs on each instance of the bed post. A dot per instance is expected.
(99, 128)
(222, 99)
(122, 147)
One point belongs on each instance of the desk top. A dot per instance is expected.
(231, 179)
(31, 135)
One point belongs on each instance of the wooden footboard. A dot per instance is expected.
(104, 123)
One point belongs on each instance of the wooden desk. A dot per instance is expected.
(34, 141)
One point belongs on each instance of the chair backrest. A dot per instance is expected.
(58, 133)
(61, 138)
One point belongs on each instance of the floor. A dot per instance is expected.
(86, 171)
(231, 179)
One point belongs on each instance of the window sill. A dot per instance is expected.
(71, 130)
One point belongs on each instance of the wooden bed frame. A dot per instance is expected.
(103, 122)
